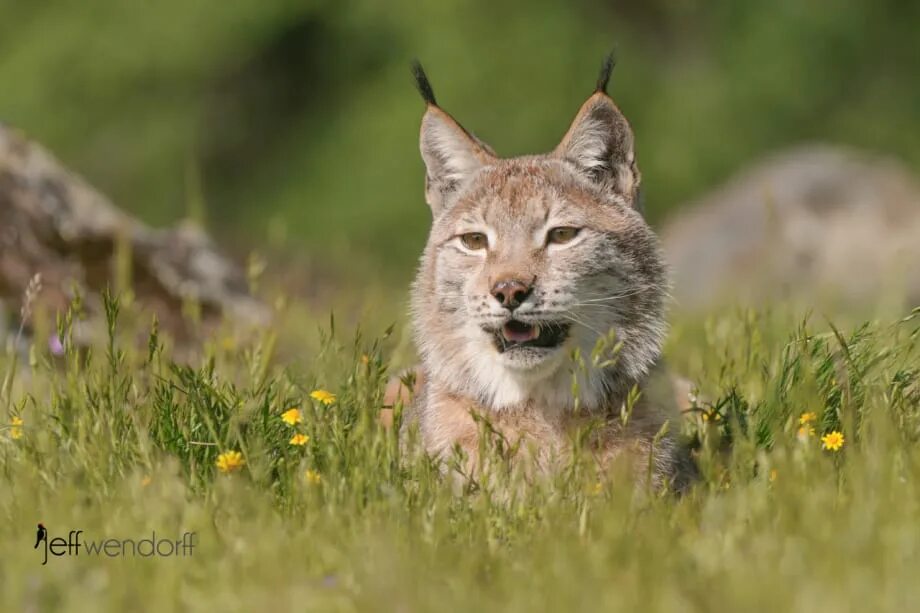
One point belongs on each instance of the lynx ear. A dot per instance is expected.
(451, 154)
(600, 142)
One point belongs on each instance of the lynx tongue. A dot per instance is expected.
(519, 332)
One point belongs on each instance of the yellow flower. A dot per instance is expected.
(292, 417)
(596, 489)
(16, 428)
(805, 432)
(313, 477)
(323, 396)
(773, 475)
(299, 439)
(807, 418)
(146, 481)
(365, 359)
(230, 461)
(833, 441)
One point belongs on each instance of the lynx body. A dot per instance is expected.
(528, 260)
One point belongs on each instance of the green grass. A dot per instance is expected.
(121, 440)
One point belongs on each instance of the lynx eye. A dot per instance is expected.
(474, 240)
(560, 236)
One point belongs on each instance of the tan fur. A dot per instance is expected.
(544, 438)
(610, 276)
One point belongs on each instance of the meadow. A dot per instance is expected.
(289, 131)
(805, 433)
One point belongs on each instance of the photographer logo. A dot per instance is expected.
(75, 544)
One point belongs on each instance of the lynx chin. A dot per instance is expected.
(531, 260)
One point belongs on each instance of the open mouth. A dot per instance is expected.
(515, 334)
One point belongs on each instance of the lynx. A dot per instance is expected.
(533, 261)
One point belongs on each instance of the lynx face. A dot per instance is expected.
(530, 258)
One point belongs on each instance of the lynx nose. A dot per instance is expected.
(510, 293)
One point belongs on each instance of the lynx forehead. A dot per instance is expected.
(532, 257)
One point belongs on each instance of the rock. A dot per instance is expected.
(56, 224)
(813, 224)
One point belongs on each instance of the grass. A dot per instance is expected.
(122, 440)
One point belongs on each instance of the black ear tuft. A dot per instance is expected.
(606, 69)
(422, 83)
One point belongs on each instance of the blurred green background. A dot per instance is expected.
(294, 124)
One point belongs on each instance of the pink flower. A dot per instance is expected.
(55, 345)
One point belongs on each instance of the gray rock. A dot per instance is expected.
(815, 224)
(56, 224)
